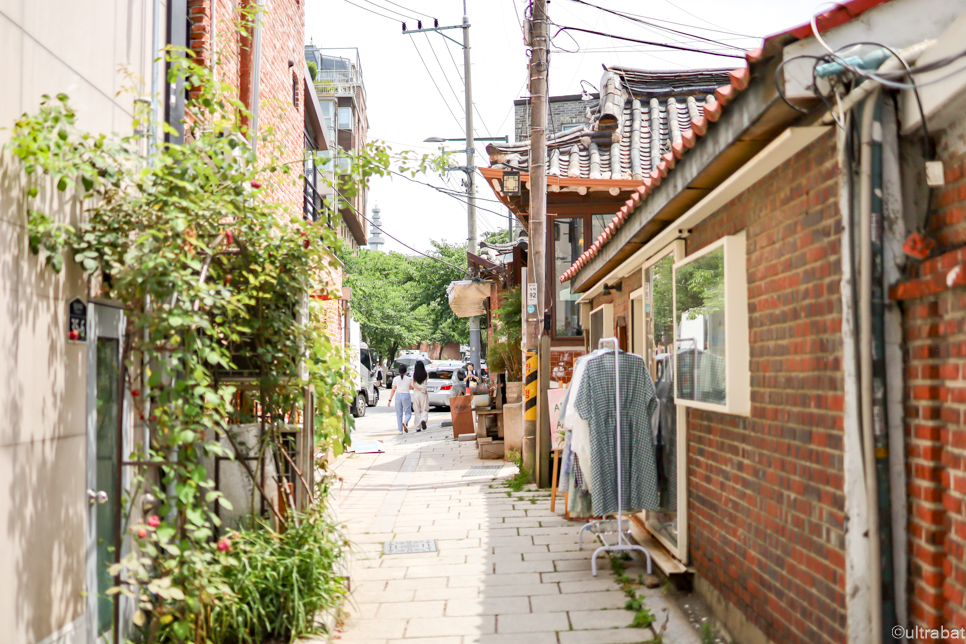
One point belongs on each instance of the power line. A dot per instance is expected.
(434, 81)
(698, 17)
(650, 42)
(443, 71)
(653, 26)
(404, 16)
(371, 11)
(462, 80)
(410, 10)
(402, 243)
(441, 190)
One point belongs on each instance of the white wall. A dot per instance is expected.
(50, 46)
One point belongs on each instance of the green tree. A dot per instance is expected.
(433, 277)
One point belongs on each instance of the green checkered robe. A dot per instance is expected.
(596, 403)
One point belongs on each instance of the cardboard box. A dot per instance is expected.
(462, 413)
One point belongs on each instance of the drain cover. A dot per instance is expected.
(484, 470)
(409, 547)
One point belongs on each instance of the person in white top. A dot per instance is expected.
(402, 385)
(420, 396)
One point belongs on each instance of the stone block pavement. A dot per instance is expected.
(507, 570)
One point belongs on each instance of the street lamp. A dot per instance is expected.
(471, 245)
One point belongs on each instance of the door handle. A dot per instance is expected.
(99, 497)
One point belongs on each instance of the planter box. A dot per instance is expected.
(514, 392)
(513, 426)
(490, 449)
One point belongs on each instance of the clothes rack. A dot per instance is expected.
(622, 544)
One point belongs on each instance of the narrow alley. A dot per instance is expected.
(506, 568)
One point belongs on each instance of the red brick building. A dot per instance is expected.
(819, 399)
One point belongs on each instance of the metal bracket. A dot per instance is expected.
(438, 30)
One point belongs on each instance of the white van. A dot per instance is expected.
(366, 392)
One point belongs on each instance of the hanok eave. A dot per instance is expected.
(642, 123)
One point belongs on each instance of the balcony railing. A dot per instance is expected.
(338, 82)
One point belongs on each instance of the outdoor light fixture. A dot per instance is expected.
(613, 287)
(511, 183)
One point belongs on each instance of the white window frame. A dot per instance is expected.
(680, 548)
(737, 355)
(636, 322)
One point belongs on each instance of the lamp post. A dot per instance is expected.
(471, 241)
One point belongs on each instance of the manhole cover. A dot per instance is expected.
(484, 470)
(409, 547)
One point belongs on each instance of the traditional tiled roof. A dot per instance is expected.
(737, 81)
(641, 117)
(675, 140)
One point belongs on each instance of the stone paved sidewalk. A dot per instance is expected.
(507, 570)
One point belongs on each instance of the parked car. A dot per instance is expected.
(445, 381)
(410, 362)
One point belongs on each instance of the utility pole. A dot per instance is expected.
(472, 245)
(471, 242)
(536, 446)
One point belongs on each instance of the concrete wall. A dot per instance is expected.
(74, 47)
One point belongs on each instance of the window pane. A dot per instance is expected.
(596, 328)
(345, 118)
(597, 225)
(568, 235)
(699, 314)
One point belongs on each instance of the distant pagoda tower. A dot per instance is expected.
(375, 237)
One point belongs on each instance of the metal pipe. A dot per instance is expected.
(472, 246)
(256, 72)
(865, 363)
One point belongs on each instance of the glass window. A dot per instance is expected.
(596, 328)
(364, 359)
(597, 225)
(345, 118)
(699, 311)
(568, 244)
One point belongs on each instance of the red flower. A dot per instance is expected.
(154, 521)
(142, 533)
(224, 545)
(256, 185)
(135, 393)
(308, 244)
(73, 335)
(230, 237)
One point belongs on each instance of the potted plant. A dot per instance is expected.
(504, 355)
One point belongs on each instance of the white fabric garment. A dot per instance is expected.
(403, 384)
(579, 426)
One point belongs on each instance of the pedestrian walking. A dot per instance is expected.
(402, 385)
(420, 397)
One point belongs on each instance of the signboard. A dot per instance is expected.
(555, 398)
(532, 294)
(461, 410)
(77, 321)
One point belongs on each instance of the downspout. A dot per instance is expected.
(256, 72)
(872, 368)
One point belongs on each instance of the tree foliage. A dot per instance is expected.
(400, 300)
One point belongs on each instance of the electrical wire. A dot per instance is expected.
(379, 6)
(410, 10)
(443, 71)
(475, 109)
(650, 42)
(396, 20)
(396, 239)
(438, 90)
(441, 190)
(702, 19)
(652, 25)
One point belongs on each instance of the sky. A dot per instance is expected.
(411, 99)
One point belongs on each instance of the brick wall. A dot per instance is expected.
(766, 502)
(283, 32)
(934, 324)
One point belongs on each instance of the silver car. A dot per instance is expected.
(444, 382)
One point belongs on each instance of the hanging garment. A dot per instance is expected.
(572, 421)
(596, 401)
